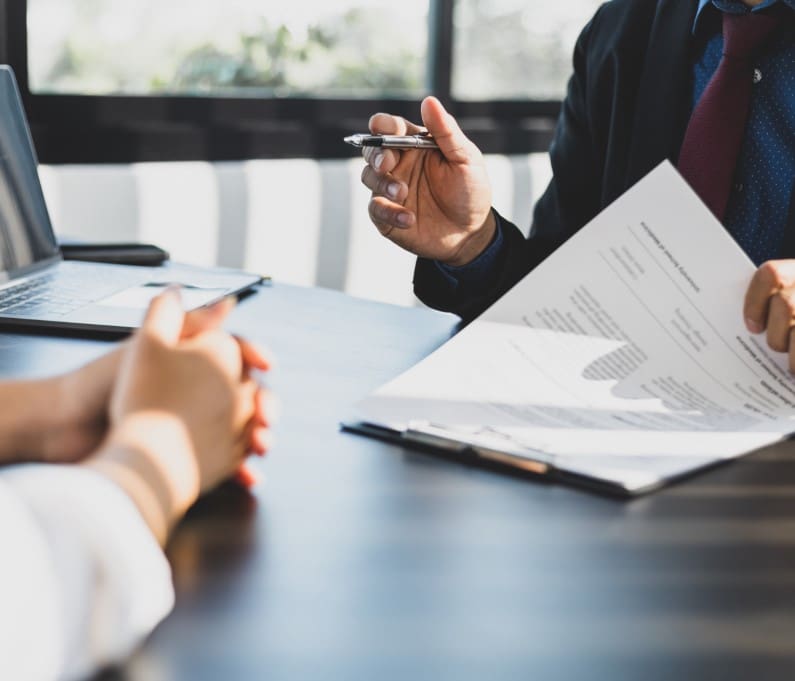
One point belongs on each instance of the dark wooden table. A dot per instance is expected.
(362, 560)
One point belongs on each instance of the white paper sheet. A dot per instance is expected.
(139, 297)
(623, 356)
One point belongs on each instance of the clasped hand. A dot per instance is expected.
(178, 402)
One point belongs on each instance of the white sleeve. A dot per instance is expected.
(82, 579)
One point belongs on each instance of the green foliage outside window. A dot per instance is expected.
(346, 54)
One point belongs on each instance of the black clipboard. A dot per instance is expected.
(502, 462)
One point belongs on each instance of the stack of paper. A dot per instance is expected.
(622, 358)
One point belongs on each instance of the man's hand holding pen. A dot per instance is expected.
(420, 141)
(433, 203)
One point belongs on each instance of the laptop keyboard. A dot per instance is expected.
(68, 286)
(35, 295)
(59, 292)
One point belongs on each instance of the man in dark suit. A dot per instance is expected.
(708, 84)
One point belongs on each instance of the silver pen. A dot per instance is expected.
(421, 141)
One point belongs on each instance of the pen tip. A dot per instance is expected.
(357, 140)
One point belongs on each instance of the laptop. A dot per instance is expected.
(38, 288)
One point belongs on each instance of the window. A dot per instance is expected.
(515, 49)
(120, 81)
(252, 48)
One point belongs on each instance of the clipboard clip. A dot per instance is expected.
(430, 435)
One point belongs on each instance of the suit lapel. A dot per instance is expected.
(663, 100)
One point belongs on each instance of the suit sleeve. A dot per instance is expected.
(571, 199)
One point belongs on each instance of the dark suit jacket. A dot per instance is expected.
(626, 110)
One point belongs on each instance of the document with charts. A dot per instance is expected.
(622, 359)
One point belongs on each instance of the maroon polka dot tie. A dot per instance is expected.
(714, 135)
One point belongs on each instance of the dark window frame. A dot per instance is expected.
(126, 129)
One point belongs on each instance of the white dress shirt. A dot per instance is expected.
(82, 579)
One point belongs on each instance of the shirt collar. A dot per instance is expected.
(735, 7)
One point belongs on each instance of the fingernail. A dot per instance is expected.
(753, 327)
(377, 161)
(175, 291)
(246, 477)
(404, 219)
(392, 190)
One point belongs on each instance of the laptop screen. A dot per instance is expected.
(26, 235)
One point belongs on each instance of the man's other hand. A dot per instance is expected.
(770, 305)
